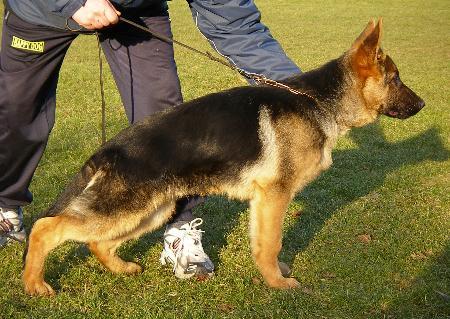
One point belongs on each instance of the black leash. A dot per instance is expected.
(102, 88)
(259, 79)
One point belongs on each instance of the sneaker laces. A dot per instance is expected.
(10, 221)
(194, 236)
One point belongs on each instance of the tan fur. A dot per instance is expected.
(267, 214)
(374, 93)
(99, 174)
(47, 234)
(301, 149)
(105, 251)
(266, 169)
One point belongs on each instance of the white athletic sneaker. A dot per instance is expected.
(184, 251)
(11, 226)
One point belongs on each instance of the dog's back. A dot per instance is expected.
(195, 148)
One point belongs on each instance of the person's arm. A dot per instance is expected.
(234, 29)
(66, 8)
(90, 14)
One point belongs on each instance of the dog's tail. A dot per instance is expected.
(73, 189)
(104, 160)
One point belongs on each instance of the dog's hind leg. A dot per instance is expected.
(267, 209)
(105, 251)
(46, 234)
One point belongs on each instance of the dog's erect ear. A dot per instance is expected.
(365, 49)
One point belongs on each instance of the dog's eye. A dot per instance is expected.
(395, 79)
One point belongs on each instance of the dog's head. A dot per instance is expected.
(378, 78)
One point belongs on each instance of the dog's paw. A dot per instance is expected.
(284, 283)
(292, 283)
(39, 288)
(132, 268)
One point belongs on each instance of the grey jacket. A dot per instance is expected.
(55, 13)
(233, 27)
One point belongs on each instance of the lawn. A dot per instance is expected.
(368, 239)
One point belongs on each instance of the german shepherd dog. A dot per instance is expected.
(261, 144)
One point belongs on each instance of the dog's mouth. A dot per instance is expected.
(398, 115)
(404, 113)
(392, 113)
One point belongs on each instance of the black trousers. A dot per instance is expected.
(30, 60)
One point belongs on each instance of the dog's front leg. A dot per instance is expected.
(267, 209)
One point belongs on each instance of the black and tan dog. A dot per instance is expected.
(260, 144)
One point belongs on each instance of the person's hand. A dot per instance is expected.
(96, 14)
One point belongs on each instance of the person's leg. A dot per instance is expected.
(143, 67)
(30, 61)
(146, 75)
(145, 72)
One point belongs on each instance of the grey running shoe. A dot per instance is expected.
(184, 251)
(11, 225)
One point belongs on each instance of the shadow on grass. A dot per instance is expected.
(56, 268)
(429, 295)
(354, 174)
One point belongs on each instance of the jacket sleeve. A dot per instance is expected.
(234, 29)
(66, 8)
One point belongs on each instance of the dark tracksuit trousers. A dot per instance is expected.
(143, 68)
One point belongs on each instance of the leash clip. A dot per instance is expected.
(70, 29)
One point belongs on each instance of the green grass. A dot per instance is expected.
(368, 239)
